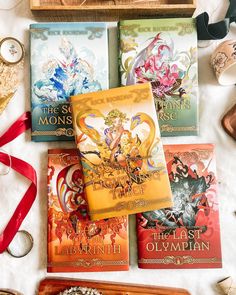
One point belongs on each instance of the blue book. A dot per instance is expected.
(66, 59)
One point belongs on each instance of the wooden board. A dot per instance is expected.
(118, 9)
(51, 286)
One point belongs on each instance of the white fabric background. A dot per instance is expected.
(24, 274)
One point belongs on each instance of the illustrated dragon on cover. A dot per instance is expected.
(68, 211)
(189, 195)
(67, 76)
(168, 69)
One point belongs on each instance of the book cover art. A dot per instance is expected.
(66, 59)
(118, 137)
(164, 53)
(75, 243)
(186, 235)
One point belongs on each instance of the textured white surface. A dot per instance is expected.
(24, 274)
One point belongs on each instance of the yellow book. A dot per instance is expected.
(118, 138)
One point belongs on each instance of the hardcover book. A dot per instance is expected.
(75, 243)
(66, 59)
(164, 53)
(186, 235)
(118, 137)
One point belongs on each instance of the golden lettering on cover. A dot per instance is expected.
(75, 243)
(122, 155)
(186, 235)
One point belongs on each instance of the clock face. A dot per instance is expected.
(11, 50)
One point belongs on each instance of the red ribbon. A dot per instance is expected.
(25, 169)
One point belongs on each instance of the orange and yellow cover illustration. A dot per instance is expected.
(75, 243)
(118, 138)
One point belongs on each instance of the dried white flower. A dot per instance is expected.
(80, 291)
(9, 78)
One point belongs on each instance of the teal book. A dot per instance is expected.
(66, 59)
(164, 53)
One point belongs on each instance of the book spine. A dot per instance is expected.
(119, 53)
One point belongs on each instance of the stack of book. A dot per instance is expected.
(119, 166)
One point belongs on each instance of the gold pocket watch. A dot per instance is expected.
(11, 51)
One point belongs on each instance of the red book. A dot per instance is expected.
(186, 235)
(76, 244)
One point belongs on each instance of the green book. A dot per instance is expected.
(164, 52)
